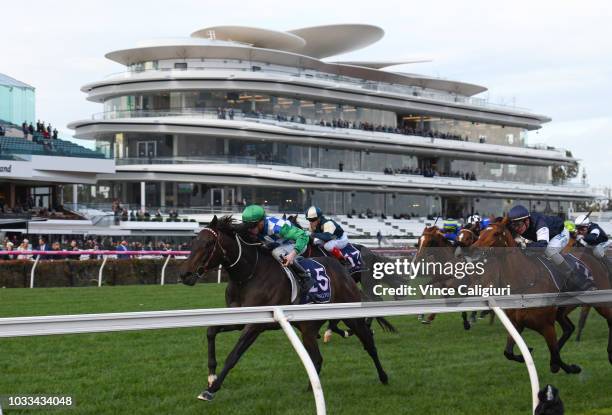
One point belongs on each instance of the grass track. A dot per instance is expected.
(438, 369)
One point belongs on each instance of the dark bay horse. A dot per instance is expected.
(525, 274)
(257, 279)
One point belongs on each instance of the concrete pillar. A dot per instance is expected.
(12, 195)
(75, 195)
(142, 196)
(175, 145)
(162, 193)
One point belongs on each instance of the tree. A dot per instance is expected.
(562, 173)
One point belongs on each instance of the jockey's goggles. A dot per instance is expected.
(312, 219)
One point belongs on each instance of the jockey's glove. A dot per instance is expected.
(520, 241)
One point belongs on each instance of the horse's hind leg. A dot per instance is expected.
(606, 312)
(211, 335)
(584, 314)
(566, 324)
(466, 323)
(332, 327)
(364, 334)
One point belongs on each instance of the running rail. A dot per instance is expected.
(148, 320)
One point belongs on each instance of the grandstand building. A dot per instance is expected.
(235, 115)
(17, 101)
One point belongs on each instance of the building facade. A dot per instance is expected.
(236, 115)
(17, 101)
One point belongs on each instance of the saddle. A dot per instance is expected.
(320, 293)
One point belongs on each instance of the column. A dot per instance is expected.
(12, 195)
(142, 196)
(75, 196)
(162, 194)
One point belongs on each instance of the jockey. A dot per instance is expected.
(288, 241)
(451, 229)
(590, 234)
(475, 223)
(542, 231)
(326, 232)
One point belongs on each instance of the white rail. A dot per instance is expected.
(92, 323)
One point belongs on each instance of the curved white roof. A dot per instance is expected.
(261, 38)
(379, 64)
(330, 40)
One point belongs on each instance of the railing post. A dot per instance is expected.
(33, 270)
(101, 269)
(219, 274)
(533, 373)
(163, 274)
(315, 382)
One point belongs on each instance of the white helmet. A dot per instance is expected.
(582, 220)
(472, 220)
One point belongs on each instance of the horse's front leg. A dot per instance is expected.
(211, 335)
(248, 336)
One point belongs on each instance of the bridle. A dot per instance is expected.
(201, 270)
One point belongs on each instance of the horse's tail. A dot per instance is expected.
(386, 325)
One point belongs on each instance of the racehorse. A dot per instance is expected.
(363, 276)
(433, 244)
(525, 274)
(257, 279)
(601, 278)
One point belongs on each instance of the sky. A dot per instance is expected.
(552, 57)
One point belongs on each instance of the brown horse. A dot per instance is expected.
(257, 279)
(602, 282)
(525, 274)
(433, 245)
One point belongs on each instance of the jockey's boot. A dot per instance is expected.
(305, 280)
(573, 281)
(338, 255)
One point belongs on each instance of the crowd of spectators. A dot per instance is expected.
(123, 214)
(404, 129)
(42, 131)
(80, 248)
(430, 172)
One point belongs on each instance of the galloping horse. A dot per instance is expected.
(364, 277)
(257, 279)
(525, 274)
(601, 278)
(432, 243)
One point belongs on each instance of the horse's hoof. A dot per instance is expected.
(425, 321)
(327, 336)
(384, 379)
(530, 349)
(572, 369)
(211, 379)
(206, 396)
(554, 368)
(346, 334)
(514, 357)
(467, 325)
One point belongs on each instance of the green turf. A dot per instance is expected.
(437, 369)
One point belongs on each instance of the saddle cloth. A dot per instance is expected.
(353, 256)
(580, 267)
(320, 292)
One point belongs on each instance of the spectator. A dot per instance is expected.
(379, 236)
(43, 246)
(122, 247)
(24, 246)
(8, 246)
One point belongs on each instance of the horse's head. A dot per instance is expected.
(466, 237)
(207, 249)
(294, 220)
(496, 235)
(432, 237)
